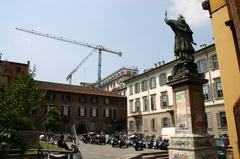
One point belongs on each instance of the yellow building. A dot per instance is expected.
(225, 19)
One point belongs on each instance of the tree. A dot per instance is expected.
(17, 101)
(52, 122)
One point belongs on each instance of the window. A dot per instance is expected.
(137, 87)
(214, 62)
(92, 126)
(131, 125)
(165, 122)
(209, 120)
(18, 69)
(131, 106)
(153, 124)
(3, 68)
(106, 101)
(144, 85)
(106, 113)
(94, 112)
(152, 82)
(221, 120)
(50, 96)
(66, 98)
(94, 100)
(164, 100)
(206, 92)
(131, 90)
(218, 89)
(145, 103)
(153, 102)
(162, 79)
(202, 65)
(50, 107)
(137, 104)
(145, 124)
(82, 99)
(65, 110)
(138, 125)
(82, 111)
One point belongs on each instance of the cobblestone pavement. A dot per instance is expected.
(91, 151)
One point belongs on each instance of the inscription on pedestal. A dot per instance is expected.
(182, 113)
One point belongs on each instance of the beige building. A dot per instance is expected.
(114, 81)
(150, 101)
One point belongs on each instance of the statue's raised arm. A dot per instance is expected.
(183, 48)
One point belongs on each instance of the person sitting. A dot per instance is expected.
(62, 144)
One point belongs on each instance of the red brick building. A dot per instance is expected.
(9, 70)
(89, 108)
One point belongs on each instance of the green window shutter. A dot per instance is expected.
(162, 123)
(85, 111)
(218, 120)
(209, 120)
(161, 101)
(168, 122)
(209, 91)
(211, 63)
(214, 90)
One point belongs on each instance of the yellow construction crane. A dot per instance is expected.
(100, 49)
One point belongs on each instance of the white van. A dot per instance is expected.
(168, 132)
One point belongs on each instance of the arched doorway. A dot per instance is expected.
(81, 128)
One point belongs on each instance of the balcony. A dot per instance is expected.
(136, 114)
(170, 109)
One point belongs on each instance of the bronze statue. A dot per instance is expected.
(183, 48)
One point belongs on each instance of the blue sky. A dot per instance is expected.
(134, 27)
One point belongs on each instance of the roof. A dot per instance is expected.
(166, 64)
(75, 89)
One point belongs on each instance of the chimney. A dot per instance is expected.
(163, 62)
(155, 65)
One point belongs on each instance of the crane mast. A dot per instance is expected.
(100, 49)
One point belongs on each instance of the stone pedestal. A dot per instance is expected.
(191, 140)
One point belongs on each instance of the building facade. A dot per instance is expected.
(114, 81)
(225, 18)
(88, 108)
(150, 101)
(10, 70)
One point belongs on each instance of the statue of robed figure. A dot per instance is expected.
(183, 48)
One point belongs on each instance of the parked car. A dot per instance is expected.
(221, 147)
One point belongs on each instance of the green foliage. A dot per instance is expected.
(44, 145)
(52, 122)
(17, 101)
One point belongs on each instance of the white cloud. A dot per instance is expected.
(191, 10)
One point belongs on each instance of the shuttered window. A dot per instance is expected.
(209, 120)
(165, 122)
(145, 124)
(164, 100)
(153, 102)
(145, 103)
(214, 62)
(131, 106)
(152, 82)
(221, 120)
(162, 79)
(206, 92)
(202, 65)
